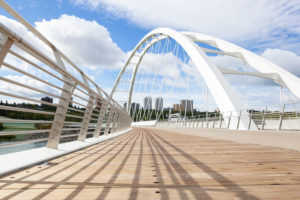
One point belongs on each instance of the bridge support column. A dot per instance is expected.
(281, 117)
(114, 122)
(86, 119)
(229, 119)
(220, 120)
(100, 119)
(109, 120)
(62, 108)
(263, 119)
(120, 122)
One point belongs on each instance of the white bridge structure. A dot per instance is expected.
(225, 97)
(81, 110)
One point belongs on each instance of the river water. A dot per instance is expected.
(21, 147)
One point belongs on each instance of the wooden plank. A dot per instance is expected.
(152, 164)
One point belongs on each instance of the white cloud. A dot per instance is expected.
(166, 64)
(87, 43)
(26, 35)
(254, 24)
(285, 59)
(18, 90)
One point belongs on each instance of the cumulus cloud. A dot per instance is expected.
(166, 64)
(87, 43)
(258, 24)
(26, 35)
(285, 59)
(9, 87)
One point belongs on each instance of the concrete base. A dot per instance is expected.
(15, 161)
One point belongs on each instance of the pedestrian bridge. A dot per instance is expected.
(63, 137)
(162, 164)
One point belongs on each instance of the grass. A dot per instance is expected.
(18, 126)
(15, 127)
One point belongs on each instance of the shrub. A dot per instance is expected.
(42, 126)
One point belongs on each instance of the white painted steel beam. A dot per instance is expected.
(259, 63)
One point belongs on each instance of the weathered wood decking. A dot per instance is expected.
(150, 164)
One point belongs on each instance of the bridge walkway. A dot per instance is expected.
(155, 164)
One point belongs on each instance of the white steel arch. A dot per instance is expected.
(262, 65)
(224, 96)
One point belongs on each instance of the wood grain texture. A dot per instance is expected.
(154, 164)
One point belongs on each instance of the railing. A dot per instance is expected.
(75, 107)
(284, 119)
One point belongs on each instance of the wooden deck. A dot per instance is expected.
(149, 164)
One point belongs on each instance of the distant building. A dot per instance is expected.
(186, 105)
(148, 103)
(176, 107)
(46, 99)
(135, 106)
(159, 103)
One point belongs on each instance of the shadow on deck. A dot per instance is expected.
(152, 164)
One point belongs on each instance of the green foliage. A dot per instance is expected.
(1, 126)
(7, 137)
(42, 126)
(35, 116)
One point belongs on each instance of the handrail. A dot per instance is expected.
(61, 85)
(264, 120)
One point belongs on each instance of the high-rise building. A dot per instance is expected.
(148, 103)
(176, 107)
(159, 103)
(186, 105)
(135, 106)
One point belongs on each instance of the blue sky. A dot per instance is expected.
(123, 32)
(98, 34)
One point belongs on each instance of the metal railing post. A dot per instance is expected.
(61, 111)
(86, 119)
(214, 120)
(109, 120)
(207, 121)
(220, 119)
(250, 119)
(229, 120)
(239, 118)
(120, 122)
(263, 120)
(114, 124)
(100, 119)
(281, 117)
